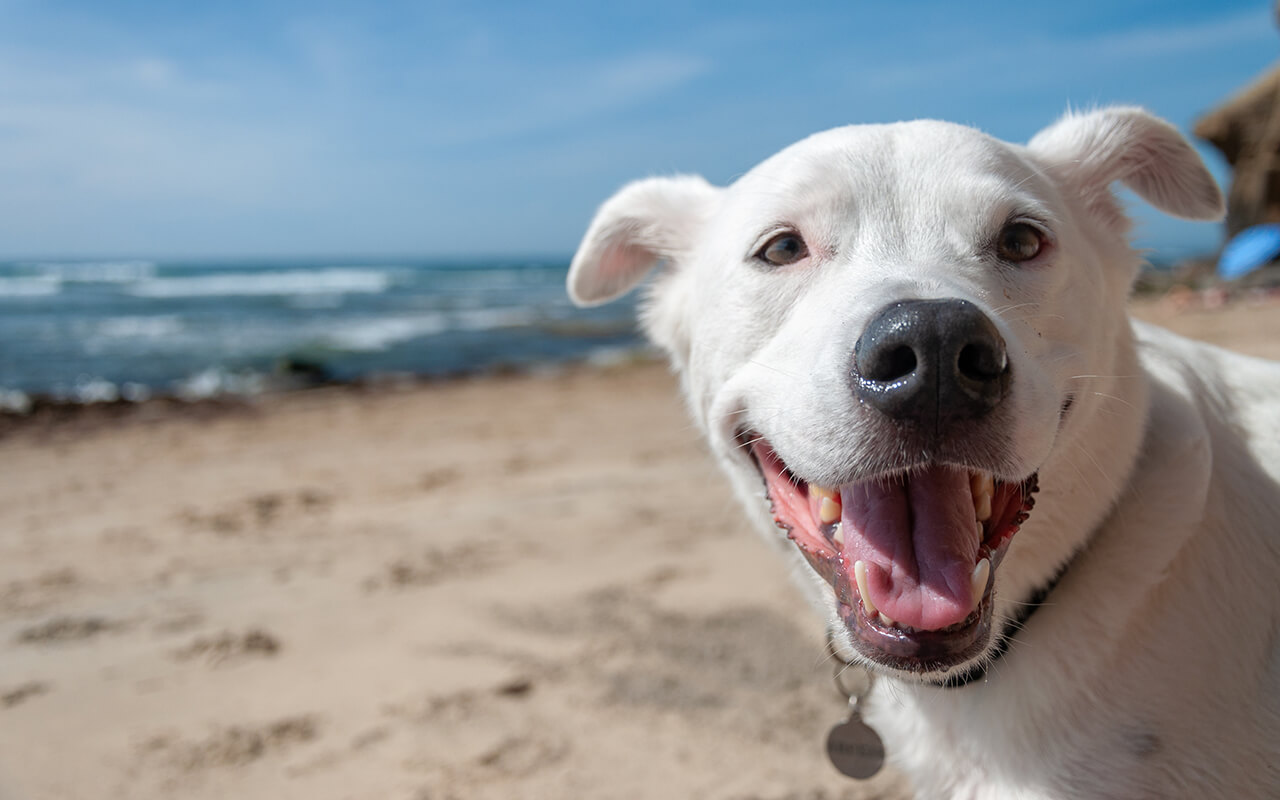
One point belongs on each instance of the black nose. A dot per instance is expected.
(931, 362)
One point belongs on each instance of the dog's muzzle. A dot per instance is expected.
(911, 546)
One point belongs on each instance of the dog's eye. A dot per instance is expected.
(1019, 242)
(783, 249)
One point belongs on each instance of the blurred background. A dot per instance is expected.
(198, 198)
(484, 554)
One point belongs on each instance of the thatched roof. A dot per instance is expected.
(1246, 128)
(1245, 118)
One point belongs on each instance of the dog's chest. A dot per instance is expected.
(955, 747)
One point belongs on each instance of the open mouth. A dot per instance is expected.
(911, 557)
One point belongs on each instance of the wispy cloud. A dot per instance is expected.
(647, 74)
(510, 100)
(1027, 60)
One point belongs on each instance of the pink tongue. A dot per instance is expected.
(917, 536)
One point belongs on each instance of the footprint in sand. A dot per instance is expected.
(227, 647)
(67, 629)
(235, 745)
(22, 693)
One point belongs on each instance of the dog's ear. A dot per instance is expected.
(652, 220)
(1087, 152)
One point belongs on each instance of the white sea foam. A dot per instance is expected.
(135, 327)
(14, 401)
(486, 319)
(372, 334)
(334, 280)
(93, 271)
(96, 390)
(216, 381)
(500, 278)
(29, 287)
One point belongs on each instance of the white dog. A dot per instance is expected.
(911, 334)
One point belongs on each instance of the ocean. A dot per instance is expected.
(86, 331)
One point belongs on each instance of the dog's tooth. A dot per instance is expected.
(982, 508)
(828, 504)
(982, 486)
(837, 536)
(885, 620)
(978, 532)
(829, 511)
(982, 482)
(978, 581)
(860, 576)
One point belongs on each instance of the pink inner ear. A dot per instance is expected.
(622, 265)
(643, 223)
(618, 266)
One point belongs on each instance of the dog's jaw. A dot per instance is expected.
(909, 560)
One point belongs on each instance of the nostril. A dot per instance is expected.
(981, 361)
(891, 364)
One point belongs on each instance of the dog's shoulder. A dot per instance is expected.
(1234, 398)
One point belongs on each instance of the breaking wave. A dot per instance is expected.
(332, 281)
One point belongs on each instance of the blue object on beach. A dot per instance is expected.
(1249, 249)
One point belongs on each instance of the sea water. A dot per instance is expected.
(85, 330)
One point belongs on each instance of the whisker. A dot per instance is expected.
(775, 369)
(1113, 397)
(1004, 309)
(1118, 377)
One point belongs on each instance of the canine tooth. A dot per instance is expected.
(982, 486)
(828, 511)
(860, 575)
(837, 536)
(977, 531)
(885, 620)
(822, 491)
(978, 581)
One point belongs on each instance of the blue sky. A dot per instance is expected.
(447, 129)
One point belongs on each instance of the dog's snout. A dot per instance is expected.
(931, 362)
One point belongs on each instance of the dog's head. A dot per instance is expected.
(888, 326)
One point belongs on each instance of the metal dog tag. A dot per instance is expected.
(855, 749)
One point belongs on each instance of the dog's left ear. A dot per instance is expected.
(1087, 152)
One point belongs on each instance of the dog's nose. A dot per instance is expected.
(931, 362)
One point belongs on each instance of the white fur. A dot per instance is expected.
(1154, 669)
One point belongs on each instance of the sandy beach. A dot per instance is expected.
(531, 586)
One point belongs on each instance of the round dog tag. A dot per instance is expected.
(855, 749)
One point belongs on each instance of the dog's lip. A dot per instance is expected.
(913, 651)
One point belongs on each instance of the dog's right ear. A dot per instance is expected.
(652, 220)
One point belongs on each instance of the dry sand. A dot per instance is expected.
(511, 587)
